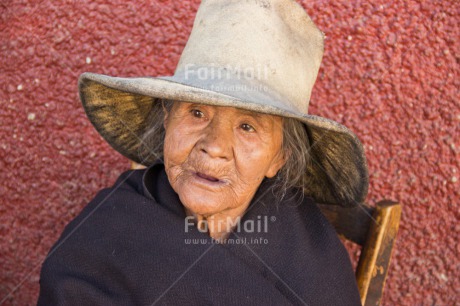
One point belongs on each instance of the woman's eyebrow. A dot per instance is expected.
(251, 114)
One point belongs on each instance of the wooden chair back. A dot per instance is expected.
(374, 229)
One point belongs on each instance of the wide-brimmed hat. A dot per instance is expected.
(259, 55)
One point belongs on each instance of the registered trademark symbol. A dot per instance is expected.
(273, 218)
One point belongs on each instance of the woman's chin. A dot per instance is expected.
(202, 199)
(203, 206)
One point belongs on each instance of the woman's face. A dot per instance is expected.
(216, 157)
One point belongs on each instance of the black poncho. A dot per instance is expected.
(130, 246)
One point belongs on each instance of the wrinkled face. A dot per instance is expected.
(216, 157)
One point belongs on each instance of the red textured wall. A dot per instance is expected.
(390, 73)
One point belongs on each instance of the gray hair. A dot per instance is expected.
(296, 148)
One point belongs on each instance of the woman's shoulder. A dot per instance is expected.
(305, 250)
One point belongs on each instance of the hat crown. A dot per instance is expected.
(253, 49)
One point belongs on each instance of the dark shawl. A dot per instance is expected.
(129, 247)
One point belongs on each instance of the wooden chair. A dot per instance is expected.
(374, 229)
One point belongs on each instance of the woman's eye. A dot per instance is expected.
(197, 113)
(247, 127)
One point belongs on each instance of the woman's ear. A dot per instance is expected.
(278, 162)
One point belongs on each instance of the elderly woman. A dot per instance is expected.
(225, 212)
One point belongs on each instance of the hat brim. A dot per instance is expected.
(119, 107)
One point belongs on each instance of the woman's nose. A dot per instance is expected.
(217, 140)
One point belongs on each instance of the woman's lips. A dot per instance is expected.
(207, 177)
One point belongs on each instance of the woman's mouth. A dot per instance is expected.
(207, 177)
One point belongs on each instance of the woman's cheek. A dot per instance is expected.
(257, 166)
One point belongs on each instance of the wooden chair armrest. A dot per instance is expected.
(376, 253)
(375, 229)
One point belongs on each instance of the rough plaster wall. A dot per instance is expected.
(390, 73)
